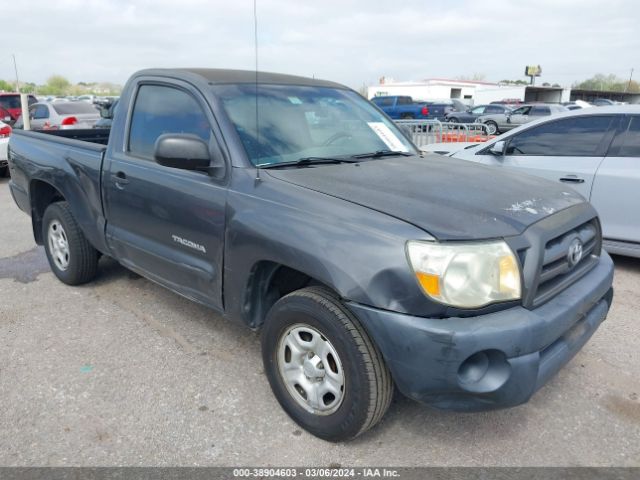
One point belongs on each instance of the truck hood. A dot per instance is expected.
(449, 198)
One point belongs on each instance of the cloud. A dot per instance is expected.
(350, 41)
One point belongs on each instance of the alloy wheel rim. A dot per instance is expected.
(311, 369)
(58, 245)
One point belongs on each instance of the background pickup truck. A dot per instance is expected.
(404, 108)
(401, 107)
(296, 207)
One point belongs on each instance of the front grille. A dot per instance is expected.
(556, 271)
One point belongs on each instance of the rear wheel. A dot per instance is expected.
(71, 257)
(407, 116)
(4, 171)
(323, 367)
(492, 127)
(452, 120)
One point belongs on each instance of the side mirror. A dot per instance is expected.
(105, 113)
(498, 148)
(183, 151)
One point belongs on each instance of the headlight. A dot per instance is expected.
(466, 275)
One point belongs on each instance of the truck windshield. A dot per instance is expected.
(297, 122)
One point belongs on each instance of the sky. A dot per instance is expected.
(354, 42)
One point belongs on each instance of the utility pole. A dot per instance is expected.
(15, 68)
(629, 84)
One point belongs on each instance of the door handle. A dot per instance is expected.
(120, 178)
(571, 179)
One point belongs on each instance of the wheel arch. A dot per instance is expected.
(41, 194)
(267, 283)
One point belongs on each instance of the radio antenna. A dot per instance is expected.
(255, 45)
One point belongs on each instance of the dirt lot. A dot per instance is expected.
(123, 372)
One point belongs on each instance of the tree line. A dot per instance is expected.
(609, 82)
(59, 85)
(600, 82)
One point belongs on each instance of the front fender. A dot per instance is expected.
(358, 252)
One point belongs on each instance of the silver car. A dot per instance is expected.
(595, 151)
(61, 115)
(502, 122)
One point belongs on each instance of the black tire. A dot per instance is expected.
(407, 116)
(82, 257)
(452, 120)
(368, 387)
(491, 125)
(4, 172)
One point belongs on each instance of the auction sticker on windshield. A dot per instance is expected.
(388, 137)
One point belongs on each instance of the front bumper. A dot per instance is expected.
(490, 361)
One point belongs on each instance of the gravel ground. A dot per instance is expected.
(124, 372)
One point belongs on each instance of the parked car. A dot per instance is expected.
(363, 265)
(502, 122)
(595, 151)
(105, 101)
(509, 102)
(401, 107)
(576, 105)
(61, 115)
(572, 106)
(603, 102)
(106, 116)
(87, 98)
(10, 102)
(5, 132)
(471, 114)
(439, 109)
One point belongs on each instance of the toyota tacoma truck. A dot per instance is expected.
(295, 206)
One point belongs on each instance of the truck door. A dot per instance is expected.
(567, 150)
(166, 223)
(392, 108)
(616, 188)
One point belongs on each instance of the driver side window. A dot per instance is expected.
(163, 109)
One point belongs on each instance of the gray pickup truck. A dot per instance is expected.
(296, 207)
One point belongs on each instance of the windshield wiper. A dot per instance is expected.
(303, 162)
(383, 153)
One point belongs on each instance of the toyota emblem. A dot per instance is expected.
(574, 255)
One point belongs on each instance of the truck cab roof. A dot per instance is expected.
(218, 76)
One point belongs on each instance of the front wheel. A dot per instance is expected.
(4, 171)
(71, 257)
(322, 366)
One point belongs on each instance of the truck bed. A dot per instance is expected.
(66, 160)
